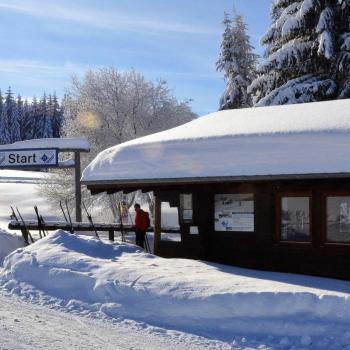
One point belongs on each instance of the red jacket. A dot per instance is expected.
(140, 221)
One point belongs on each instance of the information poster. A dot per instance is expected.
(234, 212)
(186, 208)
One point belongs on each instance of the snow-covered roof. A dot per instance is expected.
(311, 138)
(63, 144)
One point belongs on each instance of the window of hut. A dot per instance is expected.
(338, 219)
(295, 219)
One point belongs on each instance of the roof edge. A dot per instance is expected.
(216, 179)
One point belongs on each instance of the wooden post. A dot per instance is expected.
(77, 187)
(157, 223)
(111, 235)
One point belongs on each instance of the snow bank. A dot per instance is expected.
(277, 140)
(21, 176)
(8, 243)
(86, 275)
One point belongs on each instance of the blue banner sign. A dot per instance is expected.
(29, 158)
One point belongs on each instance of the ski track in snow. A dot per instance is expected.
(25, 326)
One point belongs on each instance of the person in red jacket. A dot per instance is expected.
(140, 225)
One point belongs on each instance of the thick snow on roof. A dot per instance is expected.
(280, 140)
(60, 143)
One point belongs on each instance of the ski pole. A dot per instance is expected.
(70, 219)
(121, 222)
(41, 222)
(27, 233)
(38, 218)
(90, 220)
(64, 214)
(147, 244)
(13, 215)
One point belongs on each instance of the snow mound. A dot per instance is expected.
(8, 243)
(23, 176)
(83, 274)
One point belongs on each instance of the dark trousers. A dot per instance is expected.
(140, 238)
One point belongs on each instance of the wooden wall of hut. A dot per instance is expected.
(260, 249)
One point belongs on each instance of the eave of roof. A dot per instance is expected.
(119, 185)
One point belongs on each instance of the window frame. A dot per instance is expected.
(324, 238)
(278, 219)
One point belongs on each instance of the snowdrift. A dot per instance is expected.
(119, 280)
(8, 243)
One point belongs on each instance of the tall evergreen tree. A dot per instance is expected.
(57, 117)
(343, 63)
(7, 116)
(33, 127)
(1, 102)
(303, 55)
(17, 120)
(44, 128)
(238, 62)
(224, 62)
(24, 121)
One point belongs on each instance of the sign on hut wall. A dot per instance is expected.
(16, 158)
(234, 212)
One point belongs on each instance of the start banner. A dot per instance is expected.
(29, 158)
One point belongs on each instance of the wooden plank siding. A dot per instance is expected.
(261, 249)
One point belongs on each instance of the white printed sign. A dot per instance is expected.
(28, 158)
(234, 212)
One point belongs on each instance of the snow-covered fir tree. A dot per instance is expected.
(1, 102)
(343, 71)
(24, 121)
(32, 121)
(17, 120)
(7, 115)
(57, 116)
(44, 120)
(238, 62)
(307, 55)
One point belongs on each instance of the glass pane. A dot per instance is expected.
(186, 208)
(295, 219)
(170, 219)
(338, 219)
(234, 212)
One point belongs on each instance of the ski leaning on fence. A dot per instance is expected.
(90, 221)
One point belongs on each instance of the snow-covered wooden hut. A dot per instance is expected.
(263, 187)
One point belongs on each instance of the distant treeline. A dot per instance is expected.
(22, 120)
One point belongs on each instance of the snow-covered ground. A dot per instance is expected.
(26, 326)
(19, 189)
(68, 291)
(234, 308)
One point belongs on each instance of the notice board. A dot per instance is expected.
(234, 212)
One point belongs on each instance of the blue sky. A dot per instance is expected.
(44, 42)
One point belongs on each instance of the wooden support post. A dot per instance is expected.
(78, 215)
(111, 235)
(157, 223)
